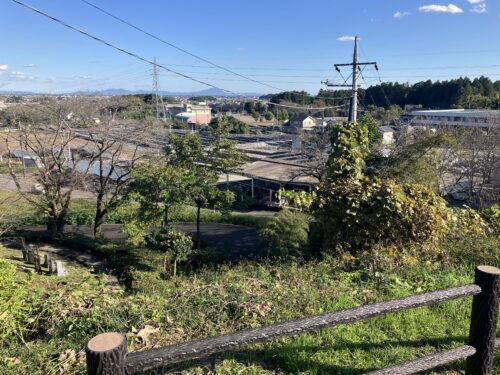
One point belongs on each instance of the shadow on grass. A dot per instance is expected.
(285, 358)
(114, 258)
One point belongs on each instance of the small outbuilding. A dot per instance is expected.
(388, 135)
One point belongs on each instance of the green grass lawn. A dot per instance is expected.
(82, 212)
(211, 300)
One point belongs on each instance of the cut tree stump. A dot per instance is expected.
(106, 354)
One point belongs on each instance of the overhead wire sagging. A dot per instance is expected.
(162, 66)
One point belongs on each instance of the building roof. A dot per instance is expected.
(386, 129)
(282, 173)
(477, 113)
(300, 117)
(186, 115)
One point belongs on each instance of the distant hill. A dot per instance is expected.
(115, 92)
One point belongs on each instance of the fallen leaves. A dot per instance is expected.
(143, 333)
(69, 359)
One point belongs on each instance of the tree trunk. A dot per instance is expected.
(56, 224)
(165, 217)
(98, 221)
(165, 262)
(99, 216)
(175, 267)
(198, 238)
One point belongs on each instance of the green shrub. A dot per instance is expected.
(357, 215)
(176, 245)
(492, 217)
(287, 234)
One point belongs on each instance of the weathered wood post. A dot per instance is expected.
(484, 319)
(106, 354)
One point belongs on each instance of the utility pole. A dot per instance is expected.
(159, 107)
(356, 68)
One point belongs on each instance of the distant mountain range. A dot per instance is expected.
(115, 92)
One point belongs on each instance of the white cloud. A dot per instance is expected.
(479, 8)
(346, 38)
(3, 67)
(450, 8)
(29, 65)
(17, 75)
(400, 15)
(475, 1)
(241, 49)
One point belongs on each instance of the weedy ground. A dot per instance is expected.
(48, 319)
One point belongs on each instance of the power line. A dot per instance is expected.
(327, 70)
(116, 47)
(380, 80)
(177, 47)
(213, 65)
(157, 64)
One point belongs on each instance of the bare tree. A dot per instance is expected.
(47, 139)
(315, 151)
(117, 155)
(472, 167)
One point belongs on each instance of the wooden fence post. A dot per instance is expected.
(106, 354)
(484, 319)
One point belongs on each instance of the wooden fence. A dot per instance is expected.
(107, 352)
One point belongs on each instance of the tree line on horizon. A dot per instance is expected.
(479, 93)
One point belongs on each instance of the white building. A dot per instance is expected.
(298, 122)
(454, 117)
(388, 135)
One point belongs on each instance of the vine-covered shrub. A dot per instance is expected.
(467, 221)
(286, 235)
(492, 217)
(355, 215)
(298, 199)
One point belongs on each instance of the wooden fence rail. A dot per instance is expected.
(106, 353)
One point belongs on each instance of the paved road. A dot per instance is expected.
(236, 240)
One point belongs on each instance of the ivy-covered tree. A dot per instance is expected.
(349, 148)
(356, 214)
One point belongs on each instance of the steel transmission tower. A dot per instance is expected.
(158, 99)
(356, 68)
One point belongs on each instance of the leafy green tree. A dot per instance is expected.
(158, 189)
(260, 107)
(269, 116)
(203, 168)
(250, 107)
(230, 124)
(283, 115)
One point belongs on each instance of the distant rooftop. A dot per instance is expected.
(458, 113)
(456, 117)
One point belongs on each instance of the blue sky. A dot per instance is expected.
(288, 44)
